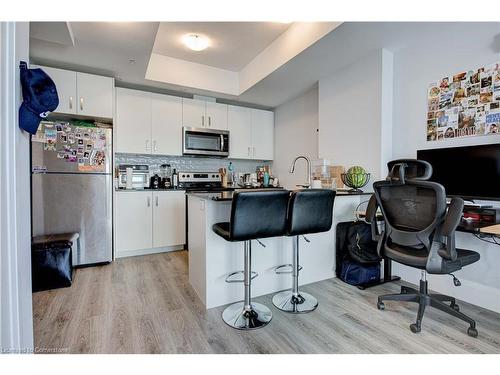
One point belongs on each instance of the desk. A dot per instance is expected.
(493, 230)
(478, 227)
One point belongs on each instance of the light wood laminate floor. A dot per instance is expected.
(146, 305)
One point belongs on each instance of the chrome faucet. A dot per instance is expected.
(308, 161)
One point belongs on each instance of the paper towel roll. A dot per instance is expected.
(129, 178)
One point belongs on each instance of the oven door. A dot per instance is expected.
(205, 142)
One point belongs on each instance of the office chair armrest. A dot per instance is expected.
(371, 216)
(380, 244)
(450, 224)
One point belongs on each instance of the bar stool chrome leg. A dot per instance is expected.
(247, 315)
(292, 300)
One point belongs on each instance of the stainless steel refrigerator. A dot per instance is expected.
(72, 187)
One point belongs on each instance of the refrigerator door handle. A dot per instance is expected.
(81, 103)
(70, 102)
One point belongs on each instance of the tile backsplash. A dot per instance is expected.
(187, 163)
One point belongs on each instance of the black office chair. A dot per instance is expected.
(254, 215)
(309, 211)
(419, 232)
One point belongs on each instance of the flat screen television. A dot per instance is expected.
(471, 172)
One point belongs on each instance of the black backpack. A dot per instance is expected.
(354, 243)
(360, 245)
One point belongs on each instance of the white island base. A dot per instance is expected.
(211, 258)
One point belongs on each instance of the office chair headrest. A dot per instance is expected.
(408, 169)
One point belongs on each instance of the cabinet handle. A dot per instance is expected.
(209, 121)
(154, 145)
(147, 144)
(156, 201)
(202, 120)
(248, 151)
(81, 103)
(70, 102)
(253, 152)
(149, 202)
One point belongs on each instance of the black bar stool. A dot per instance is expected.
(309, 211)
(254, 215)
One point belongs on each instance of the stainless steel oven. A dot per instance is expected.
(205, 142)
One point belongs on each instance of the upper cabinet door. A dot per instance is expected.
(193, 113)
(166, 124)
(65, 81)
(262, 135)
(240, 132)
(216, 116)
(133, 121)
(95, 95)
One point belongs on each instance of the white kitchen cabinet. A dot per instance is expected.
(251, 133)
(166, 124)
(204, 114)
(65, 81)
(240, 132)
(262, 134)
(216, 116)
(169, 218)
(95, 95)
(193, 113)
(82, 94)
(133, 121)
(133, 221)
(149, 221)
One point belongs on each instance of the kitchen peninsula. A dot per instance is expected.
(212, 259)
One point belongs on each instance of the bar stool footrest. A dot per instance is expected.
(279, 271)
(230, 279)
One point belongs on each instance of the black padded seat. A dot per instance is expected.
(254, 215)
(464, 258)
(222, 229)
(407, 255)
(310, 211)
(418, 259)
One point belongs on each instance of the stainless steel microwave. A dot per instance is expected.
(205, 142)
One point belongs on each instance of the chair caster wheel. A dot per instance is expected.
(415, 328)
(472, 332)
(455, 307)
(380, 305)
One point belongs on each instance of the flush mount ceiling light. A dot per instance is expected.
(196, 42)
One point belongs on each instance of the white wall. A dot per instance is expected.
(457, 48)
(295, 133)
(355, 114)
(16, 319)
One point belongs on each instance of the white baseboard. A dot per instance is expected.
(156, 250)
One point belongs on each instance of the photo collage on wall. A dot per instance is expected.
(465, 104)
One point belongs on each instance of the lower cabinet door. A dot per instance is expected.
(134, 221)
(169, 218)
